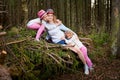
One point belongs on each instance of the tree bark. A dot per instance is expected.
(115, 38)
(25, 12)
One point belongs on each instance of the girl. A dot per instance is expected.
(36, 24)
(71, 40)
(56, 35)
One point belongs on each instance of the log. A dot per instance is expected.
(2, 33)
(3, 12)
(1, 27)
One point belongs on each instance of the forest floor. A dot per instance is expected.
(106, 67)
(104, 70)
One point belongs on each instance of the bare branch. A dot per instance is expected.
(2, 33)
(62, 59)
(53, 58)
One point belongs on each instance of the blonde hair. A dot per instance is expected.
(68, 34)
(54, 19)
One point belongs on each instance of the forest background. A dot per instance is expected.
(96, 20)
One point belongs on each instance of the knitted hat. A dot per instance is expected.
(41, 14)
(50, 11)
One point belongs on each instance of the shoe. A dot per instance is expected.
(37, 40)
(91, 69)
(86, 70)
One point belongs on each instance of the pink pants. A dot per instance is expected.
(39, 27)
(84, 51)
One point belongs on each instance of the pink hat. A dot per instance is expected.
(41, 14)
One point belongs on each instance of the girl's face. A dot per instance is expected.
(50, 17)
(68, 35)
(45, 18)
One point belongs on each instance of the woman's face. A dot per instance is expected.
(50, 17)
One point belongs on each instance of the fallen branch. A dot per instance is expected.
(61, 59)
(86, 39)
(14, 42)
(2, 33)
(53, 58)
(86, 43)
(100, 76)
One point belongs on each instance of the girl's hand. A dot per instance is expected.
(63, 38)
(58, 22)
(39, 23)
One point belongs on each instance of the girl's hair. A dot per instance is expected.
(69, 32)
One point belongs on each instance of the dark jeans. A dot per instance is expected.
(61, 42)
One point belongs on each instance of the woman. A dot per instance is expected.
(57, 35)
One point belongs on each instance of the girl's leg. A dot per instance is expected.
(77, 50)
(34, 26)
(80, 55)
(84, 51)
(39, 32)
(39, 27)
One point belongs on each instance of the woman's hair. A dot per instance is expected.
(54, 19)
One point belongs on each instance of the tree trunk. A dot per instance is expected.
(115, 27)
(25, 12)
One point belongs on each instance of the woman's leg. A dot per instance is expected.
(84, 51)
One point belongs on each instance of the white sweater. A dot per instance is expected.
(74, 41)
(36, 20)
(54, 31)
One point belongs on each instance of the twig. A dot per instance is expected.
(14, 42)
(53, 46)
(86, 39)
(62, 59)
(100, 76)
(2, 33)
(86, 43)
(21, 65)
(46, 44)
(53, 58)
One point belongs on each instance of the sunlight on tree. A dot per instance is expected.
(92, 3)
